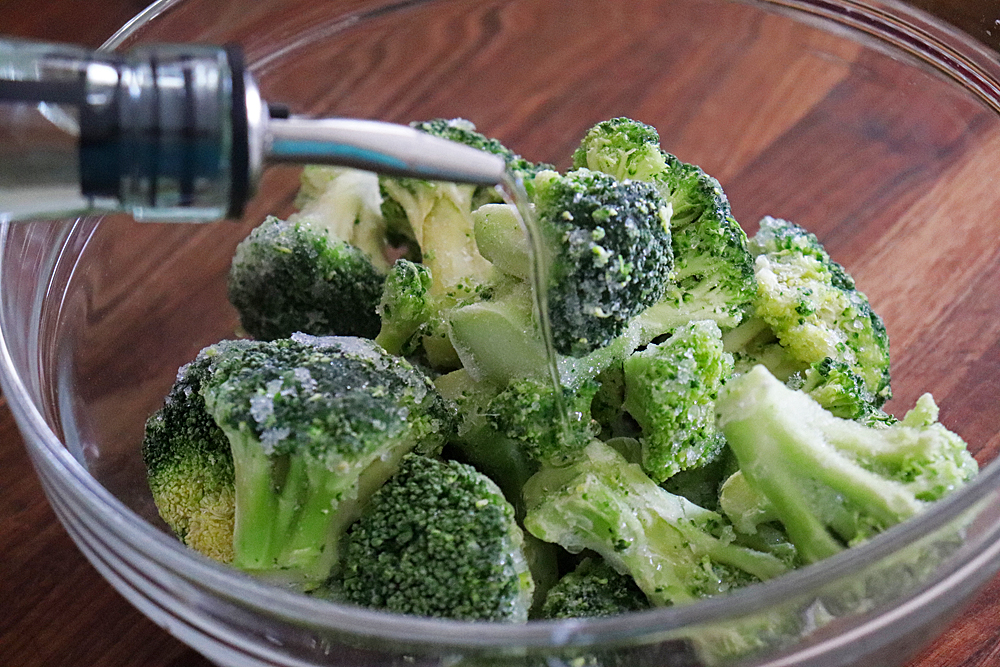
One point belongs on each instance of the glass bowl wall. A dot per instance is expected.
(865, 122)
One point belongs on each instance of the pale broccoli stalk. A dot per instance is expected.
(676, 551)
(292, 276)
(438, 540)
(814, 307)
(347, 204)
(593, 589)
(189, 463)
(315, 426)
(834, 482)
(713, 271)
(670, 390)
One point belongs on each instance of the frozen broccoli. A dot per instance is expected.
(834, 482)
(594, 588)
(290, 276)
(347, 204)
(189, 464)
(676, 551)
(438, 539)
(712, 270)
(315, 426)
(546, 429)
(405, 305)
(814, 307)
(841, 391)
(607, 257)
(670, 390)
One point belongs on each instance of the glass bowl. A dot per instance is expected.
(863, 120)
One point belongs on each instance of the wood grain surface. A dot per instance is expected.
(57, 611)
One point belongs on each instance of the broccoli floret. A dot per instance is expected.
(834, 482)
(609, 255)
(438, 539)
(713, 271)
(841, 391)
(594, 588)
(547, 430)
(814, 307)
(670, 390)
(406, 305)
(189, 464)
(290, 276)
(315, 425)
(676, 551)
(347, 204)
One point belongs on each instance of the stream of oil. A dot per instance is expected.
(512, 189)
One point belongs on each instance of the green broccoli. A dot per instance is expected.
(814, 307)
(315, 426)
(548, 429)
(405, 306)
(607, 258)
(438, 539)
(833, 482)
(841, 391)
(676, 551)
(189, 464)
(712, 270)
(347, 204)
(290, 276)
(594, 588)
(670, 390)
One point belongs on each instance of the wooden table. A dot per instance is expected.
(56, 611)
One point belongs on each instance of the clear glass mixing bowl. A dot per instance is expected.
(863, 120)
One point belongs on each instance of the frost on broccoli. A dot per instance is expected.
(439, 540)
(315, 426)
(834, 482)
(189, 463)
(291, 276)
(670, 390)
(593, 589)
(713, 271)
(676, 551)
(814, 307)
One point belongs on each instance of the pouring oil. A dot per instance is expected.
(514, 194)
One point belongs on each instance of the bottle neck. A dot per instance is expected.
(160, 133)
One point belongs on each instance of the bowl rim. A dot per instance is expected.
(898, 26)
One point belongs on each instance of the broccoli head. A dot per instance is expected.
(405, 306)
(841, 391)
(834, 482)
(290, 276)
(189, 464)
(814, 307)
(594, 588)
(315, 425)
(609, 256)
(670, 390)
(438, 539)
(675, 551)
(549, 428)
(713, 271)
